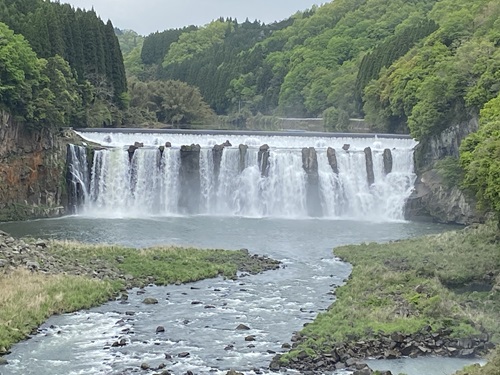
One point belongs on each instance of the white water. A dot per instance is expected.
(278, 141)
(149, 184)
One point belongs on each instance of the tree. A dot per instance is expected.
(19, 71)
(480, 159)
(172, 102)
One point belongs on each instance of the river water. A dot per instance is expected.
(138, 200)
(273, 304)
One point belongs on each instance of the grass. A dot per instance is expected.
(407, 285)
(165, 265)
(27, 299)
(491, 368)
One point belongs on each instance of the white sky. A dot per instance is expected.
(147, 16)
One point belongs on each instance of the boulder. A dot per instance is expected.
(243, 327)
(150, 301)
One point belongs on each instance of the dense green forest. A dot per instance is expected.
(404, 66)
(60, 66)
(413, 67)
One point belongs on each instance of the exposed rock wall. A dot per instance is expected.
(32, 164)
(431, 197)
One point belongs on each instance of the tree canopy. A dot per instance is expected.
(68, 57)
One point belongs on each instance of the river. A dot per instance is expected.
(201, 318)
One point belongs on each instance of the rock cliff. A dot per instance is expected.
(32, 166)
(431, 197)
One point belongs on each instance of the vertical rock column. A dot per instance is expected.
(243, 156)
(310, 165)
(369, 166)
(189, 179)
(387, 161)
(217, 158)
(332, 159)
(264, 160)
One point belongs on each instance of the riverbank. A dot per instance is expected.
(40, 278)
(435, 295)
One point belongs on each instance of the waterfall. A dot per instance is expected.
(358, 178)
(77, 177)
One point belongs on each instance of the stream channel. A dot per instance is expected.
(273, 304)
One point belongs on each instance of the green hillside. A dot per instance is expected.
(61, 66)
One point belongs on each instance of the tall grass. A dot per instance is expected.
(27, 299)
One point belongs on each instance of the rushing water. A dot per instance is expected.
(273, 304)
(149, 180)
(134, 199)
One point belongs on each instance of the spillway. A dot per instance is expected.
(250, 175)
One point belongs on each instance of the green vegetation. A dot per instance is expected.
(166, 102)
(480, 158)
(165, 265)
(491, 368)
(404, 286)
(29, 298)
(65, 70)
(447, 78)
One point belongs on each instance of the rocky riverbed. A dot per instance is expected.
(350, 355)
(40, 256)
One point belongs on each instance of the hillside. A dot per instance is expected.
(67, 69)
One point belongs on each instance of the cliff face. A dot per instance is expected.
(32, 164)
(432, 198)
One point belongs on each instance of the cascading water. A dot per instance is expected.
(77, 176)
(247, 182)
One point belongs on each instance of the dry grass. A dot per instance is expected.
(27, 299)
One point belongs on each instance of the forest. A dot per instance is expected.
(403, 66)
(60, 66)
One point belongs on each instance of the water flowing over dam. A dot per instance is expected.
(253, 175)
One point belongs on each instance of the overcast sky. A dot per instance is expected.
(147, 16)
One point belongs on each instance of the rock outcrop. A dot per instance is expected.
(387, 161)
(32, 164)
(350, 355)
(310, 165)
(431, 198)
(189, 176)
(369, 166)
(332, 159)
(263, 158)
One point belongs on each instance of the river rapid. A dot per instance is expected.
(201, 318)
